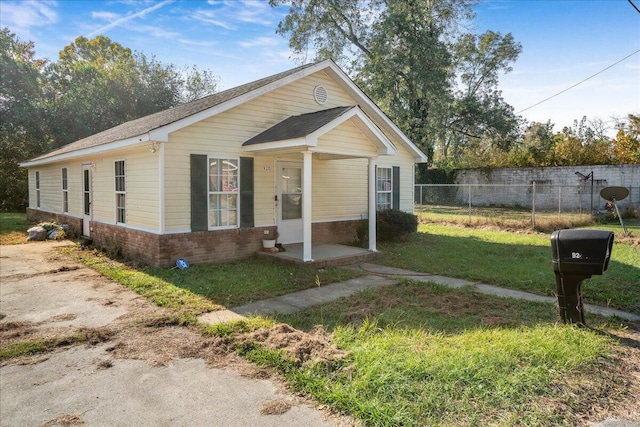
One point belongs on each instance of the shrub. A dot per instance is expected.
(392, 224)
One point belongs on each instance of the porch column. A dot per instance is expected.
(372, 205)
(306, 206)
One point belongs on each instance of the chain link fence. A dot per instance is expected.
(518, 201)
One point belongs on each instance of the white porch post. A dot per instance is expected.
(306, 206)
(372, 205)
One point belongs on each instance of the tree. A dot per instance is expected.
(626, 144)
(405, 55)
(21, 116)
(97, 84)
(479, 111)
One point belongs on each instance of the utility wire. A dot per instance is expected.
(579, 83)
(634, 6)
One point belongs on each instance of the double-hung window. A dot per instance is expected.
(65, 191)
(120, 190)
(38, 189)
(223, 192)
(384, 188)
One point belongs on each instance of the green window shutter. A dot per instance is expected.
(246, 192)
(199, 192)
(395, 193)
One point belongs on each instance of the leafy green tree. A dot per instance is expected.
(481, 118)
(97, 84)
(626, 144)
(536, 148)
(409, 56)
(581, 145)
(21, 116)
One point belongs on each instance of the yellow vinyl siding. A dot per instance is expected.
(264, 191)
(74, 185)
(403, 159)
(50, 188)
(142, 201)
(339, 189)
(347, 138)
(223, 135)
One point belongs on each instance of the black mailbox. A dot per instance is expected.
(578, 255)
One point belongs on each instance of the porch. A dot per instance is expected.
(324, 255)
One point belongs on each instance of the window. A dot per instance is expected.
(120, 192)
(383, 188)
(223, 193)
(65, 191)
(38, 189)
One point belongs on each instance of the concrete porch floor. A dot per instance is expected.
(323, 255)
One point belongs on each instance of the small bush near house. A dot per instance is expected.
(394, 225)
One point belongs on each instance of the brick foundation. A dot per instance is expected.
(335, 232)
(74, 223)
(198, 247)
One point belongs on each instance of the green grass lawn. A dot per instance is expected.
(13, 228)
(236, 283)
(423, 354)
(518, 260)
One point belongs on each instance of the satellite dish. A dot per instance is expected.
(614, 193)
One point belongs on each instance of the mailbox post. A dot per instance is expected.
(578, 255)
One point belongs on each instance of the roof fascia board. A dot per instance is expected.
(87, 151)
(276, 145)
(342, 154)
(356, 92)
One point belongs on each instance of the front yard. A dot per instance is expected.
(417, 354)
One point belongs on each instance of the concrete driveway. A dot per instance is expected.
(117, 361)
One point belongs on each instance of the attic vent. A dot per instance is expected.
(320, 94)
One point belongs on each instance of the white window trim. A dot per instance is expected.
(64, 176)
(211, 193)
(37, 189)
(390, 191)
(120, 192)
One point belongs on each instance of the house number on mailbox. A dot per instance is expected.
(576, 255)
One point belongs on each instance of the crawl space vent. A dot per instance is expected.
(320, 94)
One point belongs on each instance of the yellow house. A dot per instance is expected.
(302, 154)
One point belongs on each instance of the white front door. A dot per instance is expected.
(86, 200)
(289, 197)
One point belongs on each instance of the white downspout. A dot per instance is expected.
(306, 206)
(372, 205)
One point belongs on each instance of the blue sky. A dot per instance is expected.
(564, 42)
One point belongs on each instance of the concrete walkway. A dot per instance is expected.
(380, 276)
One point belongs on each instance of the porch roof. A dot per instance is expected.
(301, 133)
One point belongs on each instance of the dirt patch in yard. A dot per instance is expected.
(299, 347)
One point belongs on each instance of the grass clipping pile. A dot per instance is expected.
(299, 347)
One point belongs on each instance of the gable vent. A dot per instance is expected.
(320, 94)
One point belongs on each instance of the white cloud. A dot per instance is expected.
(118, 21)
(213, 18)
(22, 15)
(255, 12)
(108, 16)
(154, 31)
(261, 42)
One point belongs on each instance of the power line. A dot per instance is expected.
(579, 83)
(634, 6)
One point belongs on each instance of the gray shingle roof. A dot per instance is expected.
(298, 126)
(151, 122)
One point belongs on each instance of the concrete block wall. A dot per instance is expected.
(556, 187)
